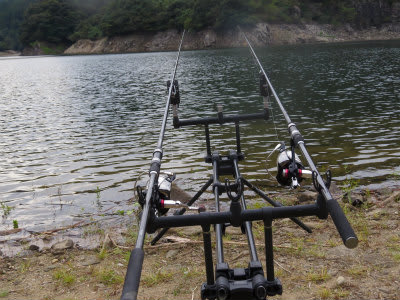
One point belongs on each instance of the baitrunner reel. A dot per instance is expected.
(161, 192)
(291, 171)
(162, 195)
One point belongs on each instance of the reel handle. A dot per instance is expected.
(343, 226)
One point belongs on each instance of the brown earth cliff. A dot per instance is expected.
(262, 34)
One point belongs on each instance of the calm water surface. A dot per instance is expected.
(76, 132)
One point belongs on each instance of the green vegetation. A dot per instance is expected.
(61, 22)
(324, 293)
(3, 294)
(318, 276)
(156, 278)
(64, 276)
(11, 17)
(52, 21)
(108, 276)
(15, 224)
(6, 209)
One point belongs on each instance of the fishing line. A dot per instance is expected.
(273, 118)
(271, 109)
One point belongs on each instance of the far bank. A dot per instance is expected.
(262, 34)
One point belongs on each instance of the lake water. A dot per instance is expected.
(77, 132)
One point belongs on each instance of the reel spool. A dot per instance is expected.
(290, 170)
(162, 193)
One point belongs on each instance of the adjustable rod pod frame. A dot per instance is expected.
(226, 283)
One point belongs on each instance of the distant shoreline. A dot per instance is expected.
(262, 34)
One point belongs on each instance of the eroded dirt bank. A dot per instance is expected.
(310, 266)
(261, 35)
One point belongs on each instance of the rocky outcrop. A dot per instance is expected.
(260, 35)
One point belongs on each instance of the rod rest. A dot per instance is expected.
(205, 218)
(240, 283)
(221, 119)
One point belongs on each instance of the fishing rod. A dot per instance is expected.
(133, 273)
(342, 224)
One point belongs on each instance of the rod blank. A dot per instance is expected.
(132, 278)
(342, 224)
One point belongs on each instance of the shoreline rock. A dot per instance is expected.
(7, 53)
(262, 34)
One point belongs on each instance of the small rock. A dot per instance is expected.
(356, 199)
(91, 260)
(54, 261)
(171, 253)
(45, 249)
(60, 247)
(25, 253)
(307, 196)
(34, 247)
(192, 230)
(47, 238)
(334, 189)
(49, 268)
(340, 280)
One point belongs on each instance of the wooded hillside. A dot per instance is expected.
(23, 22)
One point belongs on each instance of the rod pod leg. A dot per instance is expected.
(275, 204)
(274, 285)
(208, 254)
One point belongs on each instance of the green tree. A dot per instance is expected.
(50, 21)
(11, 17)
(88, 29)
(234, 12)
(127, 16)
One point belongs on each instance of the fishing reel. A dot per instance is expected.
(161, 199)
(291, 171)
(161, 193)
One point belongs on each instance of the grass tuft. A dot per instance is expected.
(324, 293)
(109, 277)
(318, 276)
(155, 278)
(64, 276)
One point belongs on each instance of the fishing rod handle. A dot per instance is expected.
(343, 226)
(132, 277)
